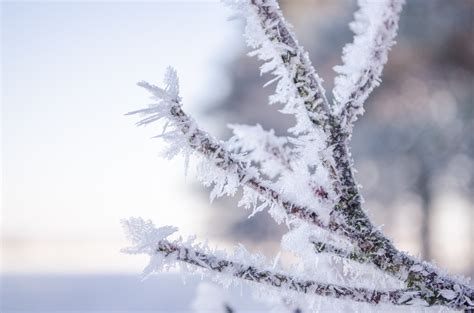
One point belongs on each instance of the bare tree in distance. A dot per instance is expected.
(305, 179)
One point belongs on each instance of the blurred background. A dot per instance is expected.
(73, 165)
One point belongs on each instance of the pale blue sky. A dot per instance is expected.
(73, 164)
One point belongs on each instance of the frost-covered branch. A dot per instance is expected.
(434, 288)
(273, 154)
(349, 209)
(153, 241)
(184, 135)
(309, 176)
(299, 88)
(278, 280)
(375, 28)
(270, 34)
(324, 247)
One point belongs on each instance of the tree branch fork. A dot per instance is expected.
(425, 284)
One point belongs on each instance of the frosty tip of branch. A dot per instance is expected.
(171, 90)
(375, 28)
(144, 235)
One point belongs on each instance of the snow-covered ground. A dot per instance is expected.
(108, 293)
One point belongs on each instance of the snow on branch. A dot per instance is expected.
(324, 247)
(273, 154)
(375, 28)
(185, 136)
(299, 87)
(224, 170)
(305, 179)
(152, 241)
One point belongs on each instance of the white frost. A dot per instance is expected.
(375, 27)
(144, 235)
(448, 294)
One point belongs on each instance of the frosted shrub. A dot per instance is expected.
(305, 180)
